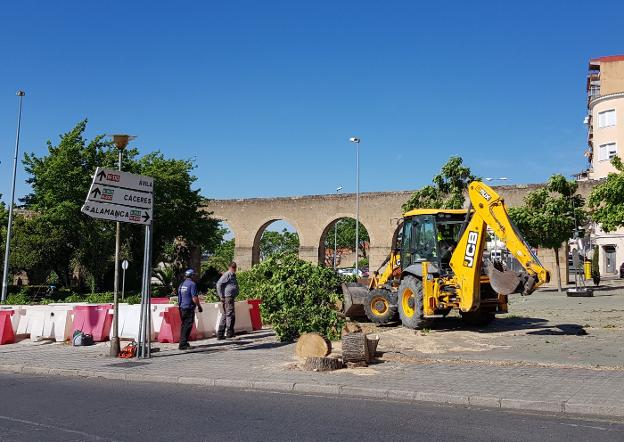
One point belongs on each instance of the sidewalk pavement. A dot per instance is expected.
(258, 362)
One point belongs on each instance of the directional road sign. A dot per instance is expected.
(120, 196)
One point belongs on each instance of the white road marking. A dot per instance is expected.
(53, 427)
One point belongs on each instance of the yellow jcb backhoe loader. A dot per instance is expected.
(437, 265)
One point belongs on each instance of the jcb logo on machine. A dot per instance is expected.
(471, 249)
(484, 194)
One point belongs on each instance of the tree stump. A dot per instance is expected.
(312, 345)
(322, 364)
(350, 327)
(355, 348)
(371, 342)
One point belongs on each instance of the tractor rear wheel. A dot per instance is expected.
(410, 302)
(380, 306)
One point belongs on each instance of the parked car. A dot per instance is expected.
(350, 271)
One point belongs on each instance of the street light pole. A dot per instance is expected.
(338, 189)
(7, 251)
(357, 201)
(121, 141)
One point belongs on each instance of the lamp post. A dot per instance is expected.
(7, 251)
(338, 189)
(121, 142)
(357, 201)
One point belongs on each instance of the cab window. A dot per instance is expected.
(419, 240)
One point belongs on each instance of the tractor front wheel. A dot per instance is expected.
(380, 306)
(410, 302)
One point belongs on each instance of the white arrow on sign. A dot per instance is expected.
(126, 180)
(116, 195)
(115, 212)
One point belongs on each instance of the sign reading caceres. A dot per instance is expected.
(120, 196)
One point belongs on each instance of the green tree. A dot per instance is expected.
(447, 190)
(222, 256)
(550, 215)
(606, 200)
(345, 236)
(177, 206)
(278, 243)
(60, 181)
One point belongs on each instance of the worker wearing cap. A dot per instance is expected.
(227, 290)
(187, 301)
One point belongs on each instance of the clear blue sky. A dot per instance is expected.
(266, 94)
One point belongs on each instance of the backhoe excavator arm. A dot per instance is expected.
(488, 210)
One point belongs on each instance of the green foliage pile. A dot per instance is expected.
(447, 191)
(607, 199)
(297, 296)
(549, 216)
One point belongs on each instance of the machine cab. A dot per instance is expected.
(431, 236)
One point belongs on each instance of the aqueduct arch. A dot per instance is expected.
(380, 212)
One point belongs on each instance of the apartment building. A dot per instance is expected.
(605, 139)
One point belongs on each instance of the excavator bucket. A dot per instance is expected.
(354, 298)
(504, 282)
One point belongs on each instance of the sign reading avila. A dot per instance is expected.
(120, 196)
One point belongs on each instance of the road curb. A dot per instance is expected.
(555, 407)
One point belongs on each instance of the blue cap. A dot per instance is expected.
(189, 272)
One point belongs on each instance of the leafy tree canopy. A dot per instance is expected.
(60, 181)
(607, 199)
(345, 229)
(277, 243)
(447, 190)
(550, 214)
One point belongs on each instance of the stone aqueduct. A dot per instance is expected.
(312, 216)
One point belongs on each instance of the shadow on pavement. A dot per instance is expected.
(498, 325)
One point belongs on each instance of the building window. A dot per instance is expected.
(606, 118)
(607, 151)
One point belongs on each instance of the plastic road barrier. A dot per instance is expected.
(6, 327)
(33, 321)
(129, 318)
(207, 320)
(58, 323)
(157, 317)
(243, 316)
(94, 320)
(170, 327)
(256, 317)
(18, 314)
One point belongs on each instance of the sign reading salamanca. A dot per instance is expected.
(120, 196)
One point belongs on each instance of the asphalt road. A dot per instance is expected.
(63, 409)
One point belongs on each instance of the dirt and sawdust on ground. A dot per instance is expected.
(545, 329)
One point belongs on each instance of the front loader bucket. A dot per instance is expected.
(354, 298)
(505, 282)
